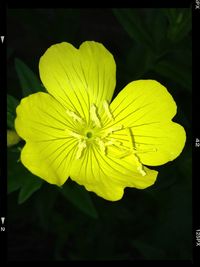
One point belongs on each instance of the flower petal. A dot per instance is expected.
(146, 107)
(41, 121)
(107, 176)
(78, 78)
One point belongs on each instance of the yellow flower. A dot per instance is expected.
(74, 130)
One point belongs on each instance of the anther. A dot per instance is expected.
(81, 146)
(139, 164)
(101, 145)
(130, 137)
(140, 151)
(94, 117)
(107, 110)
(73, 134)
(112, 130)
(74, 116)
(113, 141)
(141, 171)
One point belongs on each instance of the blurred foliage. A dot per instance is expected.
(29, 82)
(20, 178)
(77, 195)
(12, 103)
(70, 223)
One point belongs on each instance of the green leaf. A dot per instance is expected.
(44, 205)
(78, 196)
(29, 82)
(134, 25)
(143, 62)
(14, 181)
(158, 26)
(20, 178)
(175, 71)
(31, 185)
(12, 103)
(180, 23)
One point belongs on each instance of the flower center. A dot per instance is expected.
(94, 133)
(89, 134)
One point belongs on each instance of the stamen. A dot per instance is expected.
(107, 110)
(94, 117)
(146, 150)
(113, 141)
(137, 150)
(74, 116)
(139, 164)
(130, 137)
(101, 145)
(78, 136)
(112, 130)
(125, 154)
(74, 134)
(81, 146)
(141, 171)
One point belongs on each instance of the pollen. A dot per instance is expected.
(113, 141)
(139, 164)
(101, 144)
(73, 134)
(112, 130)
(74, 116)
(141, 171)
(107, 110)
(94, 116)
(81, 146)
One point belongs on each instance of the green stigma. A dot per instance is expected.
(89, 134)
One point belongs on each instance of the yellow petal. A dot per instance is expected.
(146, 107)
(108, 176)
(42, 122)
(78, 78)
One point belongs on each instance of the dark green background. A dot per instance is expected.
(154, 223)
